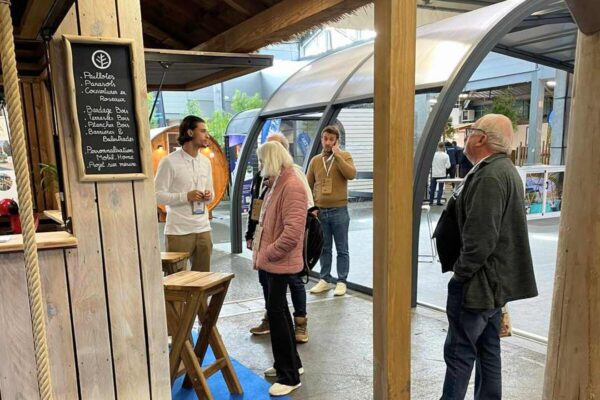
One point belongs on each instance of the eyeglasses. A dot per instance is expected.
(473, 131)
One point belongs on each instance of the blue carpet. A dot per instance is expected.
(254, 386)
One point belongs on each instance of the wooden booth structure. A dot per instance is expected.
(82, 309)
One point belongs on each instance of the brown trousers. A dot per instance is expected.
(199, 245)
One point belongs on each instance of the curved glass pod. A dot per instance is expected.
(316, 84)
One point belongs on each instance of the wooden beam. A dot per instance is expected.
(586, 14)
(395, 23)
(34, 18)
(161, 36)
(573, 363)
(247, 7)
(278, 23)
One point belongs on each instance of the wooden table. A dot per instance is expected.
(187, 295)
(173, 262)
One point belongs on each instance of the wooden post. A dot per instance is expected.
(395, 24)
(573, 366)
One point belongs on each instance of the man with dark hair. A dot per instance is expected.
(184, 184)
(328, 176)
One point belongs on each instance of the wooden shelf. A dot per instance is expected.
(55, 215)
(45, 240)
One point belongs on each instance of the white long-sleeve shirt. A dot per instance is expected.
(441, 162)
(310, 203)
(178, 174)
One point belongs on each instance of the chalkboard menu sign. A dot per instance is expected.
(102, 80)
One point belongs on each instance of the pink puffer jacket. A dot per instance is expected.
(282, 239)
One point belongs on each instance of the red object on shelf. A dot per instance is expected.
(15, 223)
(4, 205)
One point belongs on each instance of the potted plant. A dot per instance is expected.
(49, 173)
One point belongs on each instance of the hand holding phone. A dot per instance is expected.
(336, 148)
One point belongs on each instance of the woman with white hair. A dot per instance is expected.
(277, 250)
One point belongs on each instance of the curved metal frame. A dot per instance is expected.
(439, 115)
(427, 142)
(329, 114)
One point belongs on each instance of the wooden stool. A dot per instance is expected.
(187, 295)
(174, 261)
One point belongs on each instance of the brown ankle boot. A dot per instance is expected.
(301, 329)
(262, 328)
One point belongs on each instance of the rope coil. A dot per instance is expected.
(19, 153)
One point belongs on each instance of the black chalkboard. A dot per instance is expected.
(105, 109)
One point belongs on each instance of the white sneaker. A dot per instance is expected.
(277, 389)
(321, 287)
(272, 373)
(340, 289)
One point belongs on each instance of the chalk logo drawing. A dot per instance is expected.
(101, 59)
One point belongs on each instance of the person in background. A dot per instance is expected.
(328, 176)
(277, 250)
(184, 184)
(297, 289)
(452, 151)
(441, 162)
(494, 264)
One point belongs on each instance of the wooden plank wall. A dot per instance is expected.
(104, 300)
(38, 134)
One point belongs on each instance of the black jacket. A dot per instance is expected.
(255, 193)
(495, 259)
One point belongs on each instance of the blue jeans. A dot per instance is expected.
(432, 185)
(297, 290)
(335, 223)
(473, 337)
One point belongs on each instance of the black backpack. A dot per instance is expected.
(313, 242)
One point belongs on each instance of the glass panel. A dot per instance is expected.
(534, 193)
(554, 191)
(317, 82)
(361, 84)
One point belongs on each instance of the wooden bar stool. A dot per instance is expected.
(173, 262)
(187, 295)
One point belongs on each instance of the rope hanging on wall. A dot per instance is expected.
(19, 153)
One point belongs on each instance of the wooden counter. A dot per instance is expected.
(45, 240)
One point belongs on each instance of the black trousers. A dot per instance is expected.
(283, 340)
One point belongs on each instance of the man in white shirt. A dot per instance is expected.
(184, 184)
(441, 162)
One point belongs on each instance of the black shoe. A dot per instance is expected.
(439, 204)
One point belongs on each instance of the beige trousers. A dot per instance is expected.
(199, 245)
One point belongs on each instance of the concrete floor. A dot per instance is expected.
(338, 358)
(531, 315)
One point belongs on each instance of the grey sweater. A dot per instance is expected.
(495, 258)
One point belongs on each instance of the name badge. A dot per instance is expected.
(256, 207)
(198, 207)
(327, 187)
(257, 237)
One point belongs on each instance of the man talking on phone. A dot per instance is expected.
(328, 175)
(184, 184)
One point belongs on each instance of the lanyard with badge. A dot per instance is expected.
(327, 187)
(263, 210)
(258, 202)
(198, 207)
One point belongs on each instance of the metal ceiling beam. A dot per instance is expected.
(542, 20)
(546, 37)
(534, 58)
(558, 49)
